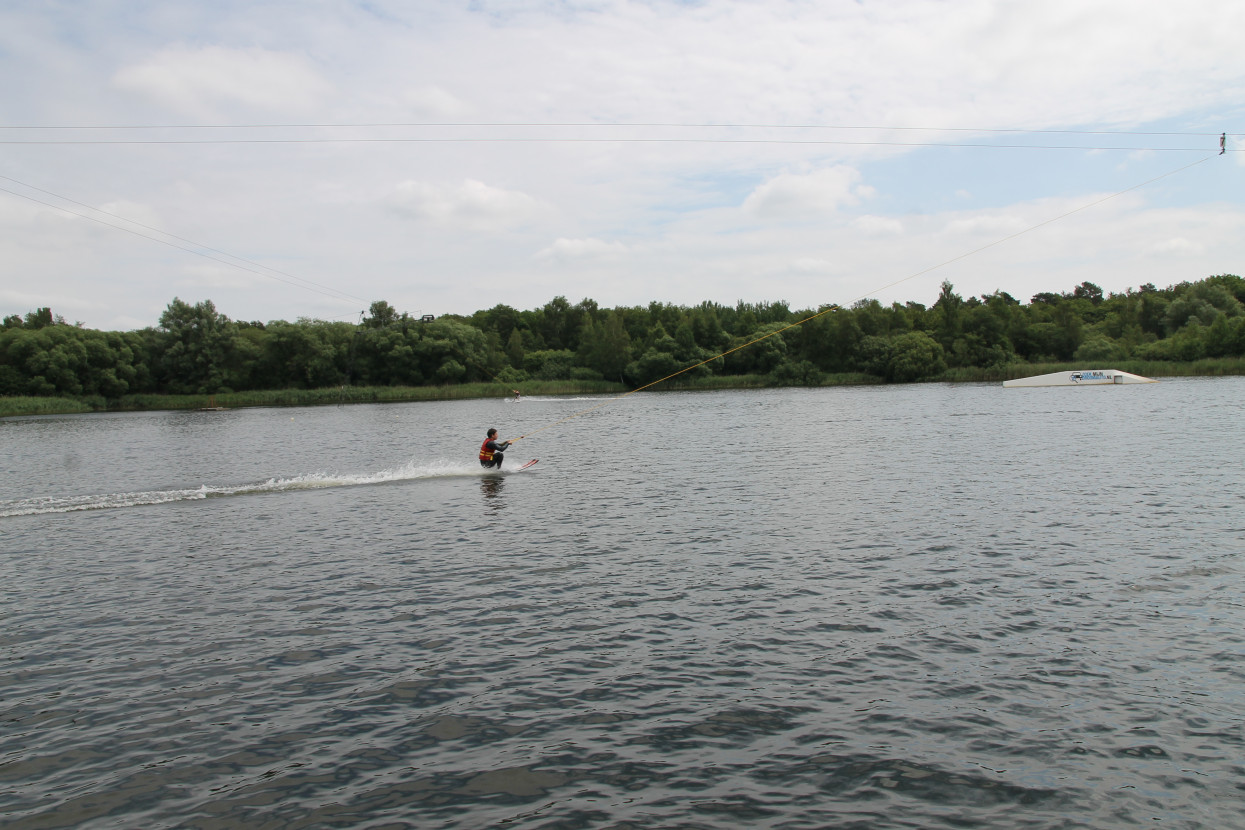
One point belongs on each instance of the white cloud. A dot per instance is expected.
(997, 224)
(1177, 246)
(472, 205)
(759, 213)
(878, 225)
(823, 191)
(432, 102)
(578, 250)
(210, 81)
(199, 277)
(812, 265)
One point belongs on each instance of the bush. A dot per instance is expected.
(451, 371)
(800, 373)
(19, 405)
(1099, 349)
(510, 375)
(915, 356)
(1185, 345)
(651, 366)
(557, 365)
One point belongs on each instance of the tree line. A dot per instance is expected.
(196, 349)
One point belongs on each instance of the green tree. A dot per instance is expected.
(558, 324)
(1232, 282)
(707, 328)
(651, 366)
(444, 346)
(450, 371)
(309, 354)
(1188, 344)
(914, 356)
(381, 314)
(41, 318)
(947, 316)
(109, 369)
(843, 344)
(197, 341)
(549, 364)
(67, 360)
(606, 347)
(47, 360)
(1152, 313)
(500, 318)
(762, 356)
(873, 356)
(1224, 337)
(984, 341)
(386, 357)
(514, 348)
(1088, 291)
(1098, 348)
(872, 319)
(795, 373)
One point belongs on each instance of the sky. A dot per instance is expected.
(304, 159)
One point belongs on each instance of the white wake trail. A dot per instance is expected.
(68, 504)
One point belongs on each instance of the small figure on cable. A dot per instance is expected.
(516, 394)
(491, 451)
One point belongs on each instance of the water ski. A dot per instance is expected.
(530, 463)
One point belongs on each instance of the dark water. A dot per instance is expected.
(927, 606)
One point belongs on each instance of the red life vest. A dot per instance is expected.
(485, 453)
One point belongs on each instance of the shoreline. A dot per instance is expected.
(23, 406)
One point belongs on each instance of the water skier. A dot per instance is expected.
(491, 451)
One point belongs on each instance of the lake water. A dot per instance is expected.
(879, 607)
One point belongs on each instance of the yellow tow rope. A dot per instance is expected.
(824, 311)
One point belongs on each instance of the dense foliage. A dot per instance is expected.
(197, 350)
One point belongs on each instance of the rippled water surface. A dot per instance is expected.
(920, 606)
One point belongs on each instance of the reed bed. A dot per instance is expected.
(12, 406)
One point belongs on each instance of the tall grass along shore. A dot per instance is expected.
(23, 405)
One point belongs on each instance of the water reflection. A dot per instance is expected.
(491, 487)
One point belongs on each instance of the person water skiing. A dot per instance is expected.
(491, 451)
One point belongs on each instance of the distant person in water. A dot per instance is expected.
(490, 451)
(516, 394)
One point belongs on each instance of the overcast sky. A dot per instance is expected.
(302, 159)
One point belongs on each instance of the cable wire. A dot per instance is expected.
(315, 285)
(325, 290)
(596, 124)
(836, 307)
(554, 140)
